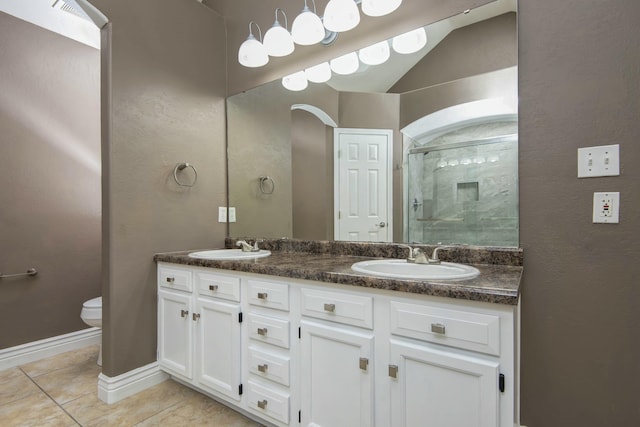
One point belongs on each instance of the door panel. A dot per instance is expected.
(363, 188)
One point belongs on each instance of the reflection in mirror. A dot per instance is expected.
(432, 112)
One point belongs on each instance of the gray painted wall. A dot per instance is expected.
(167, 103)
(50, 172)
(579, 65)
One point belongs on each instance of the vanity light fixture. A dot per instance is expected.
(296, 81)
(318, 73)
(252, 52)
(410, 42)
(379, 7)
(345, 64)
(278, 40)
(375, 54)
(307, 28)
(341, 15)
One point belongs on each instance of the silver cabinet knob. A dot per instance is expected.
(195, 316)
(213, 287)
(331, 308)
(263, 368)
(262, 331)
(364, 363)
(184, 313)
(170, 279)
(262, 295)
(393, 371)
(262, 404)
(437, 328)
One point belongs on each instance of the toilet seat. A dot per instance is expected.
(92, 309)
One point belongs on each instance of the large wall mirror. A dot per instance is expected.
(441, 125)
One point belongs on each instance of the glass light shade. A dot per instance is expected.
(296, 81)
(375, 54)
(345, 64)
(307, 28)
(410, 42)
(318, 73)
(252, 53)
(341, 15)
(278, 41)
(379, 7)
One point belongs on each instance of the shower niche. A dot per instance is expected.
(463, 186)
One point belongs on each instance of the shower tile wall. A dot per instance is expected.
(465, 195)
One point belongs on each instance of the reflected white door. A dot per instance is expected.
(362, 184)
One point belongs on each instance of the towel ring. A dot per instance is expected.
(181, 166)
(264, 179)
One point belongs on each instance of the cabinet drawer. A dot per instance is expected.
(268, 401)
(174, 278)
(269, 329)
(218, 286)
(269, 365)
(268, 294)
(455, 328)
(338, 307)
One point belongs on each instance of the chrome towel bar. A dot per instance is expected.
(30, 272)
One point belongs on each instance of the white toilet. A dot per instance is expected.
(91, 314)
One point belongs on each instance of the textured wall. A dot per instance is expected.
(167, 104)
(579, 65)
(50, 174)
(480, 48)
(259, 138)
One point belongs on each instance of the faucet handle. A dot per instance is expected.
(255, 244)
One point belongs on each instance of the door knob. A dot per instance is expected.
(382, 224)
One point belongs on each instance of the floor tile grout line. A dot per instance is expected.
(159, 412)
(49, 396)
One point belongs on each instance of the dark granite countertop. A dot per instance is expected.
(497, 283)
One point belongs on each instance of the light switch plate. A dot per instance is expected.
(606, 207)
(222, 214)
(603, 160)
(232, 214)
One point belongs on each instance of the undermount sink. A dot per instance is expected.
(229, 254)
(401, 269)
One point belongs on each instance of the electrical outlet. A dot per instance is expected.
(222, 214)
(232, 214)
(606, 207)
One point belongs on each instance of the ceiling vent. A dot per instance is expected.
(66, 7)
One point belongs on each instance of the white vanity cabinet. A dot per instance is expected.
(199, 328)
(337, 352)
(320, 354)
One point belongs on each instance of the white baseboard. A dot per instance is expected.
(36, 350)
(114, 389)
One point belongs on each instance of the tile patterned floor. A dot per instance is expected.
(62, 391)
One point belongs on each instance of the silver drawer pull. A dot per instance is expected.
(262, 295)
(213, 287)
(364, 363)
(437, 328)
(195, 316)
(263, 368)
(262, 331)
(262, 404)
(171, 279)
(184, 313)
(331, 308)
(393, 371)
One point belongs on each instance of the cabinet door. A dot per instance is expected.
(435, 387)
(218, 346)
(336, 376)
(175, 332)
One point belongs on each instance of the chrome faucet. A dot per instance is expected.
(410, 257)
(420, 257)
(434, 256)
(246, 247)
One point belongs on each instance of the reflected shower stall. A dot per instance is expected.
(463, 185)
